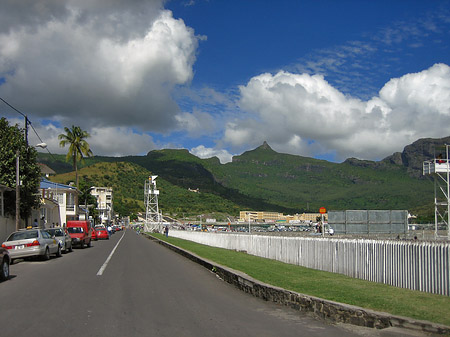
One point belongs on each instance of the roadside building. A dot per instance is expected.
(104, 196)
(260, 216)
(52, 194)
(45, 170)
(310, 217)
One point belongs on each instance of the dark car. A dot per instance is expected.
(5, 261)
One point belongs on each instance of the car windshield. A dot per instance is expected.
(23, 235)
(58, 232)
(75, 230)
(50, 231)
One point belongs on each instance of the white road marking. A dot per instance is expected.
(102, 269)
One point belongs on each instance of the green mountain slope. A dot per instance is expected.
(127, 180)
(261, 179)
(306, 183)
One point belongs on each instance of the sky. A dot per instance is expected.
(323, 79)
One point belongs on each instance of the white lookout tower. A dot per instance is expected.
(439, 169)
(152, 216)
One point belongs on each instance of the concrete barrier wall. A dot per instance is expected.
(7, 226)
(412, 265)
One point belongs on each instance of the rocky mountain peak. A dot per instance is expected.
(266, 146)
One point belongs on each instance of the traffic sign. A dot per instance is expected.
(322, 210)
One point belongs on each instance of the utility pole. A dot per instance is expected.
(18, 176)
(17, 190)
(26, 130)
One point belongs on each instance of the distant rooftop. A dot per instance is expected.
(45, 169)
(49, 184)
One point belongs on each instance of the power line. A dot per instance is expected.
(13, 107)
(28, 122)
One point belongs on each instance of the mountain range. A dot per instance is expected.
(261, 179)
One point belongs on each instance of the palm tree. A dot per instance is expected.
(78, 146)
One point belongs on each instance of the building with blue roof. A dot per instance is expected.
(59, 204)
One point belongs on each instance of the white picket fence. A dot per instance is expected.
(413, 265)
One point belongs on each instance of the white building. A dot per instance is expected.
(104, 197)
(66, 199)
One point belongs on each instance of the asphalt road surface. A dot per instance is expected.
(131, 286)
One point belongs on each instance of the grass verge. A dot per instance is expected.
(330, 286)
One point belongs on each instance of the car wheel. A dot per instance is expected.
(58, 252)
(89, 244)
(82, 244)
(4, 270)
(46, 255)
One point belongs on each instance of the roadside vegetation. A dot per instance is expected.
(13, 143)
(330, 286)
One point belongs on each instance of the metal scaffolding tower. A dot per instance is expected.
(152, 216)
(439, 170)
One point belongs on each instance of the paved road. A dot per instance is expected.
(143, 289)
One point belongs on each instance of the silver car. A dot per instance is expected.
(63, 237)
(32, 242)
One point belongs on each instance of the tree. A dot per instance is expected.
(78, 146)
(12, 140)
(86, 198)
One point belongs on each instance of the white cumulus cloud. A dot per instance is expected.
(111, 141)
(303, 114)
(95, 63)
(196, 124)
(204, 152)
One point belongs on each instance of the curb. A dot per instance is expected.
(326, 309)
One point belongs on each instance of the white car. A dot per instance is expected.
(62, 236)
(32, 242)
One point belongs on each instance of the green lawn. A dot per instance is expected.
(331, 286)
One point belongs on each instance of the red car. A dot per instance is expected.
(94, 236)
(102, 233)
(80, 232)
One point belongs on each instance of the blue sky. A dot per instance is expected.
(324, 79)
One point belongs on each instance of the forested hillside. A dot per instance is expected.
(260, 179)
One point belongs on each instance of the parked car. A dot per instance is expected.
(80, 232)
(102, 233)
(5, 261)
(63, 237)
(94, 235)
(32, 242)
